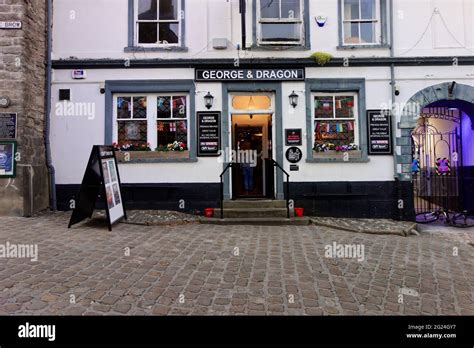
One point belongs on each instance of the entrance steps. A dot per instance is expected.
(255, 212)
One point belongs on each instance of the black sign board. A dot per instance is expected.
(379, 132)
(293, 137)
(294, 167)
(101, 180)
(215, 75)
(209, 133)
(8, 125)
(294, 155)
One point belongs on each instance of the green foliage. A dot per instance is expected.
(322, 58)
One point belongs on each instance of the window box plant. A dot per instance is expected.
(130, 153)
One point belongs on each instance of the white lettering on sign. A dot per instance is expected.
(251, 74)
(10, 25)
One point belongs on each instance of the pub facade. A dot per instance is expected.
(315, 101)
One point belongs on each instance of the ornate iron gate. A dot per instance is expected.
(437, 169)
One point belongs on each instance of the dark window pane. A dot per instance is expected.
(351, 33)
(164, 107)
(281, 32)
(169, 132)
(168, 9)
(147, 10)
(269, 8)
(169, 33)
(290, 9)
(132, 132)
(179, 107)
(367, 32)
(367, 9)
(344, 107)
(123, 107)
(323, 107)
(351, 9)
(147, 33)
(139, 107)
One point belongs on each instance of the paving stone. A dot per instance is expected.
(197, 261)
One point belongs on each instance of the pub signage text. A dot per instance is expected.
(250, 75)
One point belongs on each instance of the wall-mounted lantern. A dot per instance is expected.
(293, 99)
(208, 100)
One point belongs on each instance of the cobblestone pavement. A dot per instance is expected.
(219, 270)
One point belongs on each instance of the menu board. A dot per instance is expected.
(8, 125)
(7, 159)
(112, 185)
(293, 137)
(209, 133)
(379, 132)
(101, 179)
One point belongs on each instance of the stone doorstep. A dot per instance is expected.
(263, 221)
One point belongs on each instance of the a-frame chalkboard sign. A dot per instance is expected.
(101, 179)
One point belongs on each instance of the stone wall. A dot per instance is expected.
(22, 76)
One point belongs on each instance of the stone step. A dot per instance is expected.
(302, 221)
(255, 203)
(253, 212)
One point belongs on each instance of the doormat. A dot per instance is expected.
(371, 226)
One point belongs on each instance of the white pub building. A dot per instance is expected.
(350, 108)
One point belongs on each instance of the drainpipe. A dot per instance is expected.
(47, 119)
(394, 119)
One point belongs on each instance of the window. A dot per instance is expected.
(361, 22)
(132, 121)
(156, 122)
(280, 22)
(335, 122)
(172, 125)
(158, 22)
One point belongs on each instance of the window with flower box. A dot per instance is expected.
(335, 124)
(154, 123)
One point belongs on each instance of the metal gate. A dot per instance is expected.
(437, 169)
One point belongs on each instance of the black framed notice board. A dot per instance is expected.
(379, 124)
(209, 134)
(101, 180)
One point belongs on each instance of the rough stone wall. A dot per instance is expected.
(22, 79)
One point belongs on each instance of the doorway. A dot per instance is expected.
(252, 174)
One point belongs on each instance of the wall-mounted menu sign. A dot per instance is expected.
(379, 132)
(8, 125)
(293, 137)
(250, 75)
(209, 133)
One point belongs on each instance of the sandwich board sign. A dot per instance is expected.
(101, 181)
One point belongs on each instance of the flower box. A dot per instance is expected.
(134, 156)
(332, 154)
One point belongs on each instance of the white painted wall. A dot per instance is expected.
(99, 29)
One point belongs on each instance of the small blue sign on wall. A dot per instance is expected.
(7, 159)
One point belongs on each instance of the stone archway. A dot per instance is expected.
(450, 91)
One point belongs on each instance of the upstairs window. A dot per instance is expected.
(361, 22)
(280, 22)
(158, 23)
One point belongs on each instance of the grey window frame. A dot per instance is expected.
(337, 86)
(304, 44)
(384, 28)
(152, 87)
(133, 45)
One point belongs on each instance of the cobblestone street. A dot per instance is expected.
(220, 270)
